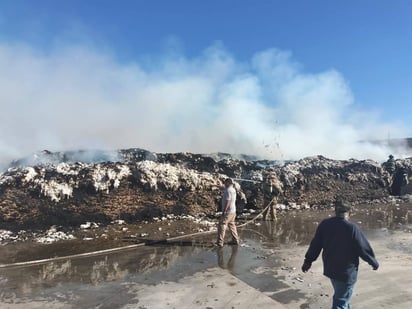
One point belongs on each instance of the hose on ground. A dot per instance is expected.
(123, 248)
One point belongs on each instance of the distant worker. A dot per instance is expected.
(228, 217)
(399, 180)
(272, 189)
(390, 165)
(342, 243)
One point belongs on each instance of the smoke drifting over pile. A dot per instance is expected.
(81, 98)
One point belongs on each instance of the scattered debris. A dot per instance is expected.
(139, 184)
(88, 225)
(52, 237)
(7, 235)
(120, 222)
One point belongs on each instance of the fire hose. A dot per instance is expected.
(123, 248)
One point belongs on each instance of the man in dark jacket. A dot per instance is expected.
(342, 243)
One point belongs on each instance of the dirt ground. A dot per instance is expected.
(264, 271)
(288, 287)
(388, 287)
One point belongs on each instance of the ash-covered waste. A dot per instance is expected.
(69, 188)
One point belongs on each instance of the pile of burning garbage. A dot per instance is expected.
(74, 187)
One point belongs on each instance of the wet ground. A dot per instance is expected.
(190, 273)
(99, 238)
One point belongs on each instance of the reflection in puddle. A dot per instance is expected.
(231, 261)
(82, 282)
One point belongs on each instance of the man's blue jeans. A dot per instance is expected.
(343, 294)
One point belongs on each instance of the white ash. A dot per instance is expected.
(7, 236)
(67, 169)
(173, 177)
(57, 191)
(59, 181)
(88, 225)
(119, 222)
(52, 237)
(105, 176)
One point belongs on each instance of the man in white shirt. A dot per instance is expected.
(228, 215)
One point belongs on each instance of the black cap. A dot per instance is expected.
(342, 206)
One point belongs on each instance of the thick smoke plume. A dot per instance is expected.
(76, 97)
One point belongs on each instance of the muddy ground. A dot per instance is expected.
(263, 271)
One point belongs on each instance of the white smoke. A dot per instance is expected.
(76, 97)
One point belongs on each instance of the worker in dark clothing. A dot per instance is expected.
(342, 243)
(390, 165)
(399, 179)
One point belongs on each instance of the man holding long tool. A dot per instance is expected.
(227, 219)
(272, 189)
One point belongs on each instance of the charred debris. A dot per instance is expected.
(69, 188)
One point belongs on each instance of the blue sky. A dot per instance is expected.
(368, 42)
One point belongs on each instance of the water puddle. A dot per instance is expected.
(87, 282)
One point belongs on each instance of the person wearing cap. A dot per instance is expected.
(228, 217)
(390, 165)
(342, 243)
